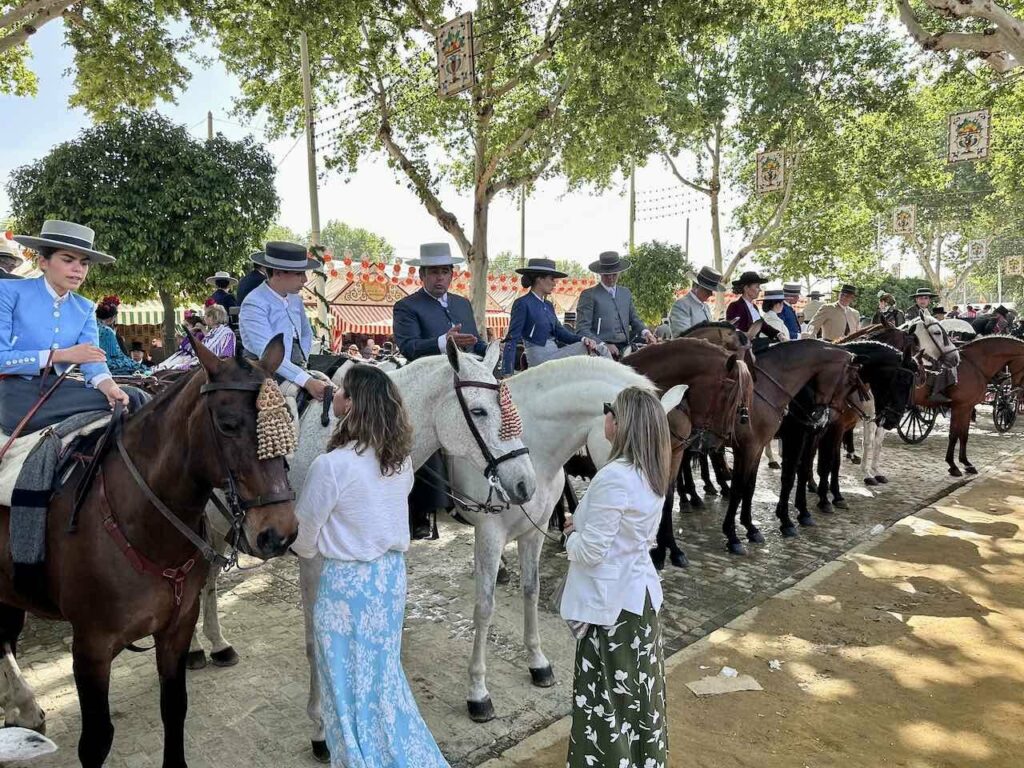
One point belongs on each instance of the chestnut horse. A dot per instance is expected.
(980, 361)
(129, 569)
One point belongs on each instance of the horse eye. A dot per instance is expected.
(230, 425)
(478, 412)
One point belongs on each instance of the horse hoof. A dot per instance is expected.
(679, 559)
(710, 490)
(225, 658)
(481, 711)
(840, 504)
(774, 465)
(696, 503)
(543, 677)
(882, 479)
(725, 489)
(806, 521)
(788, 531)
(970, 470)
(321, 753)
(870, 481)
(825, 507)
(658, 558)
(955, 472)
(503, 576)
(196, 660)
(855, 460)
(754, 536)
(737, 548)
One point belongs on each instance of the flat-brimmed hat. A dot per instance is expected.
(773, 294)
(749, 278)
(220, 275)
(66, 236)
(924, 292)
(1001, 310)
(435, 255)
(846, 288)
(791, 289)
(9, 249)
(939, 311)
(709, 280)
(137, 346)
(288, 257)
(609, 263)
(815, 295)
(541, 267)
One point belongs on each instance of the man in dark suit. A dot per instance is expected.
(251, 280)
(423, 323)
(606, 311)
(10, 259)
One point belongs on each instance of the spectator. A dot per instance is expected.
(222, 281)
(888, 311)
(139, 355)
(118, 362)
(252, 279)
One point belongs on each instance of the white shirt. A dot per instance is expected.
(610, 289)
(349, 511)
(755, 315)
(610, 567)
(442, 340)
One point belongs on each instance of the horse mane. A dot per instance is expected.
(171, 391)
(697, 345)
(871, 348)
(708, 324)
(990, 337)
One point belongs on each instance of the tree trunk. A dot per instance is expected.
(168, 302)
(478, 265)
(716, 243)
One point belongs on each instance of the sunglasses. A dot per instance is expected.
(609, 410)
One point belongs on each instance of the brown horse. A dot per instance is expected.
(128, 570)
(980, 360)
(779, 374)
(718, 397)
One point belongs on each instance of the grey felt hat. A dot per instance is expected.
(66, 236)
(436, 255)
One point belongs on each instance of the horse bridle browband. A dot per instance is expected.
(491, 470)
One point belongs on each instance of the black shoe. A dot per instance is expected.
(938, 397)
(421, 531)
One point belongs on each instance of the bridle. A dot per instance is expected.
(943, 359)
(781, 411)
(742, 415)
(493, 462)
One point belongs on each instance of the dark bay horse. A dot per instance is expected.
(980, 360)
(718, 397)
(127, 571)
(780, 372)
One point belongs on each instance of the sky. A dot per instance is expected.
(559, 225)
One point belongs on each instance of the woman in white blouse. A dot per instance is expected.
(354, 511)
(612, 586)
(771, 307)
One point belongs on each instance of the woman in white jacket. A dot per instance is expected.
(771, 306)
(619, 686)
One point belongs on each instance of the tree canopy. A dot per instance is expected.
(658, 270)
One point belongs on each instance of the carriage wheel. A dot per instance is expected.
(1004, 414)
(916, 424)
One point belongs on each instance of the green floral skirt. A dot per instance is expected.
(618, 715)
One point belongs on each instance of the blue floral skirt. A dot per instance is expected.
(370, 716)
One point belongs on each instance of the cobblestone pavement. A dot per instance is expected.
(253, 715)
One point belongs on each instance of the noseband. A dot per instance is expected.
(491, 470)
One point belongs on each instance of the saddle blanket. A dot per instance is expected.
(14, 460)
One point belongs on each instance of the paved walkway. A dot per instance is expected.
(907, 651)
(253, 715)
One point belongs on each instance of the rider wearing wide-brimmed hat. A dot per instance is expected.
(834, 321)
(222, 282)
(533, 320)
(922, 301)
(772, 304)
(791, 295)
(606, 312)
(692, 309)
(742, 312)
(888, 311)
(44, 323)
(10, 259)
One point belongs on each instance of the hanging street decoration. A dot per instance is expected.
(969, 136)
(1014, 265)
(977, 250)
(904, 220)
(771, 171)
(455, 65)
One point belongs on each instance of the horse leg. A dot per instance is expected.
(769, 451)
(690, 488)
(221, 653)
(868, 446)
(851, 451)
(723, 475)
(964, 433)
(91, 663)
(684, 481)
(804, 473)
(489, 545)
(171, 655)
(954, 470)
(705, 475)
(829, 452)
(529, 546)
(664, 533)
(16, 697)
(791, 443)
(837, 495)
(309, 583)
(753, 534)
(876, 462)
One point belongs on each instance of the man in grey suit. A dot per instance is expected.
(10, 259)
(692, 309)
(606, 312)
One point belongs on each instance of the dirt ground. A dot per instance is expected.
(908, 651)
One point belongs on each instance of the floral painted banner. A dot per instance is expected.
(977, 250)
(969, 136)
(771, 171)
(455, 65)
(904, 220)
(1014, 265)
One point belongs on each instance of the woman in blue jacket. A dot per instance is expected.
(533, 320)
(44, 324)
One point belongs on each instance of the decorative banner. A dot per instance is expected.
(771, 171)
(977, 250)
(1014, 265)
(904, 220)
(455, 66)
(968, 136)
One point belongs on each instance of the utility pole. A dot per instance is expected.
(209, 126)
(686, 241)
(999, 280)
(314, 201)
(522, 227)
(632, 205)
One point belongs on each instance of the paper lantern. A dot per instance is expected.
(334, 273)
(327, 257)
(9, 234)
(364, 264)
(364, 277)
(350, 275)
(347, 261)
(412, 270)
(396, 269)
(380, 278)
(394, 280)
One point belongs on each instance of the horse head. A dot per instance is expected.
(934, 341)
(227, 420)
(477, 421)
(719, 401)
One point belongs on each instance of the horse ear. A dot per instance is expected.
(452, 350)
(492, 355)
(755, 328)
(210, 362)
(673, 397)
(273, 354)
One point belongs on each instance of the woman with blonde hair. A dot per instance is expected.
(612, 594)
(219, 339)
(354, 512)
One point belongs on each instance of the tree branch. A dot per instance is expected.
(527, 178)
(1002, 50)
(683, 179)
(31, 9)
(421, 16)
(545, 52)
(18, 36)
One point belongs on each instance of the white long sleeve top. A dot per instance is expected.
(348, 510)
